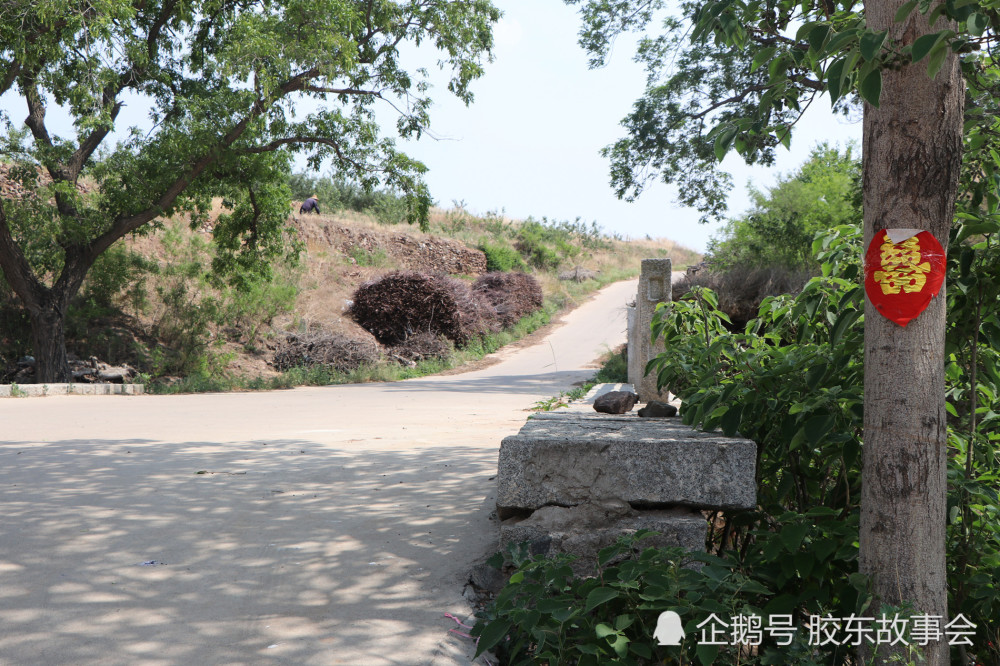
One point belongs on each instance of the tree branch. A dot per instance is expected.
(342, 91)
(16, 269)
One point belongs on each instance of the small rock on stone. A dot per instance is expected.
(655, 408)
(615, 402)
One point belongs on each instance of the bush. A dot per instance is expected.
(547, 615)
(502, 258)
(512, 295)
(403, 303)
(339, 352)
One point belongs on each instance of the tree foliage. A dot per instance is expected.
(233, 89)
(727, 75)
(779, 228)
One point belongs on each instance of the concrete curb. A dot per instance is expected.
(37, 390)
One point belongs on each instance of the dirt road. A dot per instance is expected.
(314, 526)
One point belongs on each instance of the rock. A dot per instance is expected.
(571, 459)
(578, 274)
(486, 578)
(657, 409)
(615, 402)
(586, 529)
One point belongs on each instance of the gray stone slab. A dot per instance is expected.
(582, 531)
(569, 459)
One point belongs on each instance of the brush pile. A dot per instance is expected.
(512, 295)
(419, 347)
(336, 351)
(402, 304)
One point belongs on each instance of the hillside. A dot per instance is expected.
(154, 306)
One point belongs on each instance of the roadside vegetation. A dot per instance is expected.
(789, 377)
(160, 305)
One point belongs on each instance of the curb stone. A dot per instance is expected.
(38, 390)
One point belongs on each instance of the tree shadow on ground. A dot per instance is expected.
(279, 551)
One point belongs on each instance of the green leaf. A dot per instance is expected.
(904, 12)
(599, 596)
(642, 650)
(724, 142)
(762, 57)
(844, 322)
(936, 61)
(604, 630)
(925, 44)
(731, 421)
(792, 536)
(871, 44)
(834, 75)
(977, 23)
(871, 88)
(817, 37)
(807, 28)
(492, 635)
(840, 40)
(817, 428)
(707, 654)
(620, 646)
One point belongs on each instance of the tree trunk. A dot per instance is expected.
(48, 338)
(912, 157)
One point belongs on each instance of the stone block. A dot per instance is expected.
(570, 459)
(586, 529)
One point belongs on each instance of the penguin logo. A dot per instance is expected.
(668, 629)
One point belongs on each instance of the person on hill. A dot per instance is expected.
(310, 204)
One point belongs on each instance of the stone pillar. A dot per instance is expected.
(633, 349)
(654, 288)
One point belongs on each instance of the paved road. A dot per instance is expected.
(313, 526)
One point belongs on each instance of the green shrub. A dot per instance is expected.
(792, 382)
(502, 258)
(546, 615)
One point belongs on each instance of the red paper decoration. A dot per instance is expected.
(902, 278)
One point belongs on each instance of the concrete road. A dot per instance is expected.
(324, 526)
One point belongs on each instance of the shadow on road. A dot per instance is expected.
(121, 552)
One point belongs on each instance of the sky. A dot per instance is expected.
(530, 143)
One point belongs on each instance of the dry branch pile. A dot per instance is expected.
(336, 351)
(512, 295)
(401, 304)
(419, 347)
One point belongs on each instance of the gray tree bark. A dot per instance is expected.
(912, 157)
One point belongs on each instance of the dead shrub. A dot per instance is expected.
(402, 304)
(741, 289)
(512, 295)
(340, 352)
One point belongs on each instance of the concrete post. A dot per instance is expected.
(654, 288)
(634, 371)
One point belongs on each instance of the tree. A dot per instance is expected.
(778, 230)
(223, 81)
(742, 74)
